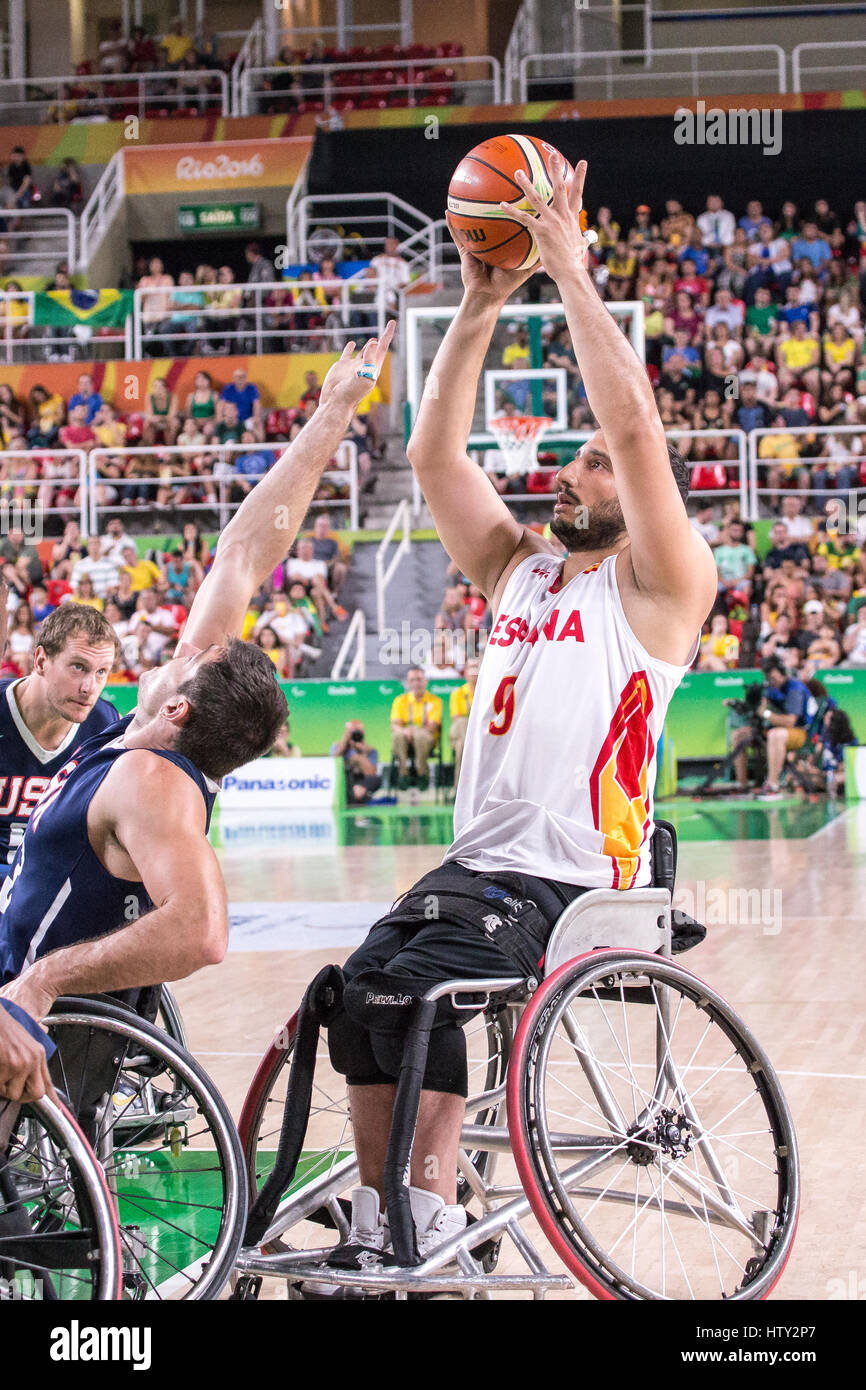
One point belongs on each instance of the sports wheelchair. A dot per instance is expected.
(59, 1237)
(617, 1100)
(164, 1137)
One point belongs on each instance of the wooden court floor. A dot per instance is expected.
(794, 972)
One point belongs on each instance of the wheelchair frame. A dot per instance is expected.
(590, 924)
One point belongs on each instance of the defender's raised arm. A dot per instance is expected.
(265, 525)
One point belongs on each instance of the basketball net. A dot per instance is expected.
(517, 439)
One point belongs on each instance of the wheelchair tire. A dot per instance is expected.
(55, 1207)
(169, 1018)
(167, 1144)
(644, 1085)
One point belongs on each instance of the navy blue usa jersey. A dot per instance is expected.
(26, 768)
(58, 892)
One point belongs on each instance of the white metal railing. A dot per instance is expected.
(252, 321)
(379, 215)
(296, 193)
(78, 339)
(251, 55)
(409, 78)
(64, 98)
(40, 232)
(101, 209)
(689, 74)
(803, 72)
(354, 643)
(48, 481)
(523, 39)
(216, 477)
(794, 463)
(385, 573)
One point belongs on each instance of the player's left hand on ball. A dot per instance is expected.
(351, 378)
(556, 225)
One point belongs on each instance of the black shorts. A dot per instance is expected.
(423, 941)
(444, 929)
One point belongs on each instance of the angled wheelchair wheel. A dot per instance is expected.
(650, 1133)
(58, 1230)
(167, 1144)
(169, 1019)
(328, 1167)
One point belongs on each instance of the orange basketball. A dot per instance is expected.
(484, 179)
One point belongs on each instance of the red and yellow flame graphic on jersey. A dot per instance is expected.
(618, 783)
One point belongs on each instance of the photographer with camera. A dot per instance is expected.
(777, 714)
(360, 761)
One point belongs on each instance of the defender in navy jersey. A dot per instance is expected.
(115, 885)
(48, 714)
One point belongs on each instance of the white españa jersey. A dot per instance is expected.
(560, 757)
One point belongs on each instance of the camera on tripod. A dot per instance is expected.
(749, 707)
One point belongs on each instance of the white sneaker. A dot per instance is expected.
(434, 1221)
(361, 1250)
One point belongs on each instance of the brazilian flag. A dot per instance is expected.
(97, 308)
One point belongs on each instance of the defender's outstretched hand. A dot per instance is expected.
(351, 378)
(487, 281)
(556, 227)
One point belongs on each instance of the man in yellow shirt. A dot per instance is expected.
(798, 360)
(175, 44)
(720, 649)
(143, 573)
(416, 719)
(459, 706)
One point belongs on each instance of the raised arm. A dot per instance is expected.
(474, 524)
(668, 556)
(265, 525)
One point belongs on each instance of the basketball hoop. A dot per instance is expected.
(517, 439)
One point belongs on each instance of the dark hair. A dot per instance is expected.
(839, 727)
(773, 663)
(75, 620)
(238, 709)
(680, 470)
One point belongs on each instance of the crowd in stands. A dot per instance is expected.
(210, 414)
(146, 596)
(750, 322)
(411, 75)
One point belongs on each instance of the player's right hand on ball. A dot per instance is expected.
(556, 225)
(487, 281)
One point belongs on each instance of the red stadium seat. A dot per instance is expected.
(708, 476)
(372, 104)
(402, 101)
(343, 104)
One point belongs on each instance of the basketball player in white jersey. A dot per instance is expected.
(556, 789)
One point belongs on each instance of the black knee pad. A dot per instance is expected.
(381, 1003)
(351, 1052)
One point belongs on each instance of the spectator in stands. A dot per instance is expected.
(84, 592)
(229, 429)
(783, 548)
(114, 50)
(811, 245)
(313, 574)
(176, 44)
(416, 723)
(77, 434)
(799, 526)
(643, 233)
(202, 404)
(248, 467)
(735, 560)
(225, 302)
(86, 396)
(47, 411)
(244, 395)
(110, 432)
(293, 630)
(839, 358)
(720, 649)
(115, 542)
(21, 189)
(794, 311)
(11, 415)
(453, 615)
(393, 270)
(155, 304)
(798, 357)
(183, 575)
(460, 705)
(326, 548)
(66, 190)
(261, 270)
(183, 303)
(361, 762)
(99, 568)
(750, 412)
(621, 270)
(754, 219)
(143, 573)
(161, 417)
(716, 225)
